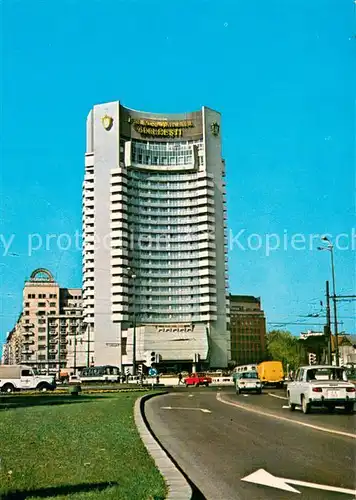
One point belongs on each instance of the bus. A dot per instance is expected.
(105, 373)
(245, 368)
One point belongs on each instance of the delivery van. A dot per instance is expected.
(20, 377)
(271, 373)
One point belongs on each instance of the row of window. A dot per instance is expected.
(70, 342)
(42, 304)
(51, 296)
(42, 296)
(51, 313)
(54, 330)
(151, 184)
(161, 153)
(173, 307)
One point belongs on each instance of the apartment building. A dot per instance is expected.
(50, 334)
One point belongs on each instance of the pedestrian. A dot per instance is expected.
(180, 377)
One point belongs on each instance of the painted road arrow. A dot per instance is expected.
(264, 478)
(204, 410)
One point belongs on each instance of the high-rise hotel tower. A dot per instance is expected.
(155, 242)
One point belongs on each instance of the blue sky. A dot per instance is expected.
(282, 75)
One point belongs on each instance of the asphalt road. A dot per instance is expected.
(218, 449)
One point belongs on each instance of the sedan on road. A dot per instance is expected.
(321, 385)
(247, 381)
(197, 379)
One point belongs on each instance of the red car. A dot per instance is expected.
(197, 379)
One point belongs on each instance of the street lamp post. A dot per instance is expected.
(330, 248)
(75, 354)
(132, 275)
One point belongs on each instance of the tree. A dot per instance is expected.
(285, 347)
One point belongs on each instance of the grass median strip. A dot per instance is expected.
(81, 448)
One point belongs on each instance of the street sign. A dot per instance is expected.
(152, 372)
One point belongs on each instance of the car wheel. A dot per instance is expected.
(206, 384)
(349, 408)
(291, 405)
(8, 388)
(305, 406)
(43, 387)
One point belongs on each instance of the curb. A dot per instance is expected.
(178, 487)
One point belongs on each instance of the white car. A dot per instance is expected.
(247, 381)
(323, 386)
(74, 380)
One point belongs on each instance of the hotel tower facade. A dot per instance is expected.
(155, 242)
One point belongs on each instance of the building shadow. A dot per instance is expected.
(8, 402)
(54, 491)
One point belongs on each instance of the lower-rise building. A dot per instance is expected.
(247, 329)
(49, 334)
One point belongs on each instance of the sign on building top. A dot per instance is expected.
(160, 128)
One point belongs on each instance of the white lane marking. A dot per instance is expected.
(204, 410)
(285, 406)
(275, 396)
(263, 477)
(290, 420)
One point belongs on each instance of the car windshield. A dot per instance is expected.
(327, 374)
(250, 375)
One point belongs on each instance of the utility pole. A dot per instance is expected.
(88, 353)
(47, 335)
(59, 353)
(328, 324)
(75, 354)
(335, 307)
(132, 276)
(134, 345)
(330, 247)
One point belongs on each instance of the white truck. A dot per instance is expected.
(20, 377)
(322, 386)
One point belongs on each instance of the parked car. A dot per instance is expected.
(20, 377)
(247, 381)
(74, 380)
(197, 379)
(321, 385)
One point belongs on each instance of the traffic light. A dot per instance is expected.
(151, 358)
(155, 357)
(147, 359)
(312, 358)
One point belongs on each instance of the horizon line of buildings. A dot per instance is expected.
(51, 336)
